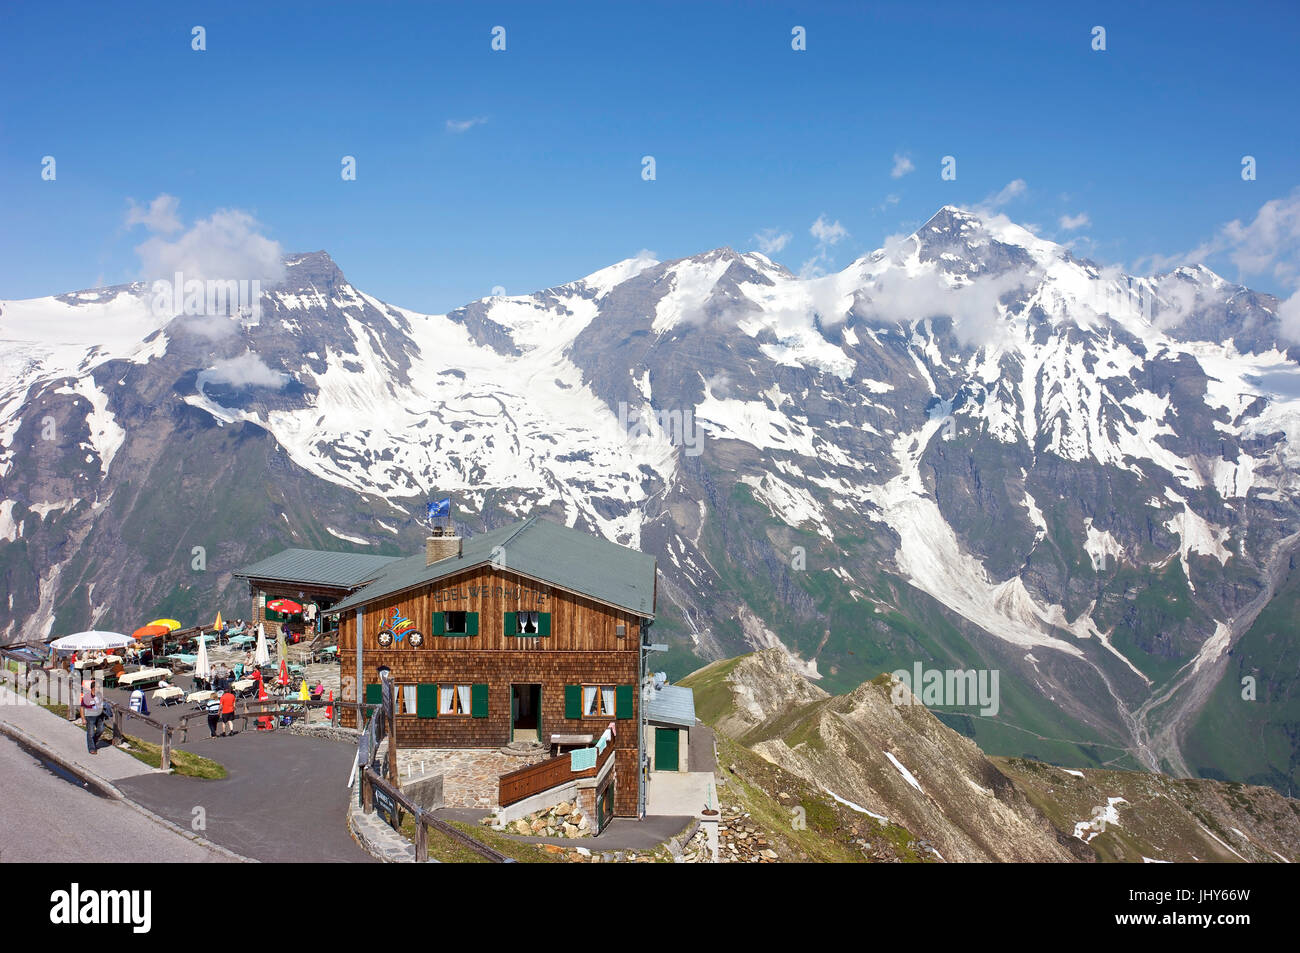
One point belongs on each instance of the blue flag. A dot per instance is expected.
(438, 508)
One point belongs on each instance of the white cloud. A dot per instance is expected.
(902, 165)
(159, 216)
(1269, 244)
(890, 201)
(1070, 222)
(464, 125)
(972, 305)
(247, 370)
(827, 233)
(771, 240)
(228, 246)
(1013, 189)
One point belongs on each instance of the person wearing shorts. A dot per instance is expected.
(214, 716)
(228, 712)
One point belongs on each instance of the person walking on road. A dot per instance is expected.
(214, 716)
(228, 713)
(92, 709)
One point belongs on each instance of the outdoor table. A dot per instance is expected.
(101, 662)
(202, 696)
(243, 685)
(183, 658)
(166, 695)
(242, 640)
(145, 675)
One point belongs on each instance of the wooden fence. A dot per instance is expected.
(121, 713)
(423, 820)
(545, 775)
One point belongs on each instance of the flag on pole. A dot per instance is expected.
(437, 508)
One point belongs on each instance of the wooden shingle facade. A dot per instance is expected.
(523, 633)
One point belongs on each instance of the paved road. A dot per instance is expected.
(283, 800)
(46, 819)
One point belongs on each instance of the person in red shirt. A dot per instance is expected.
(228, 713)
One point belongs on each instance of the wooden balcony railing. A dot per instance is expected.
(544, 775)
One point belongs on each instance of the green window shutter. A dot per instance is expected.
(511, 624)
(543, 623)
(471, 623)
(374, 694)
(572, 701)
(426, 701)
(439, 623)
(623, 701)
(478, 704)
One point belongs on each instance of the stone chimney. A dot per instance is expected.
(442, 543)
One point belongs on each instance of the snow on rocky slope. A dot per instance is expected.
(1091, 475)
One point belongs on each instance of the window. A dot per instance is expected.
(408, 700)
(528, 624)
(453, 699)
(455, 624)
(597, 701)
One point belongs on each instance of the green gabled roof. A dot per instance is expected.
(567, 558)
(318, 567)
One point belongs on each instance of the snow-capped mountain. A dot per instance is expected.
(969, 448)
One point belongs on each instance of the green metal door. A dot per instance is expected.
(665, 749)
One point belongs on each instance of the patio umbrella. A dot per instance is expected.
(262, 656)
(171, 624)
(217, 624)
(90, 641)
(284, 673)
(202, 669)
(149, 631)
(329, 709)
(287, 606)
(265, 720)
(303, 694)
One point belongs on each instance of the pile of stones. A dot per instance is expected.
(740, 841)
(563, 820)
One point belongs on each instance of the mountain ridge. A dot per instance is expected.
(956, 448)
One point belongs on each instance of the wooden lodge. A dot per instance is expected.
(531, 632)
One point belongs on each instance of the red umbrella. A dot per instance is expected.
(284, 605)
(284, 673)
(149, 631)
(329, 709)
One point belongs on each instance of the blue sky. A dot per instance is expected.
(1145, 139)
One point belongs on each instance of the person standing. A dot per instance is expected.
(92, 709)
(228, 713)
(214, 716)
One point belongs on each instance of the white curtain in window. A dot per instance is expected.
(589, 700)
(528, 623)
(463, 692)
(408, 699)
(608, 692)
(446, 699)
